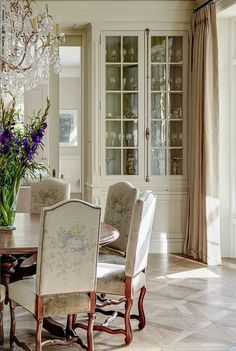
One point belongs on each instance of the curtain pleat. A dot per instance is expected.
(203, 205)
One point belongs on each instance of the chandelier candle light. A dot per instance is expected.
(29, 42)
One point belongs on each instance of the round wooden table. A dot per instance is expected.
(25, 238)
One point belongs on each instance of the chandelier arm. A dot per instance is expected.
(29, 43)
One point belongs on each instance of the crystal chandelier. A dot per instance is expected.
(29, 42)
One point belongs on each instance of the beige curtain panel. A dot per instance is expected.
(202, 237)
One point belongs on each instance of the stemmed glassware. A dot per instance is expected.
(113, 55)
(131, 54)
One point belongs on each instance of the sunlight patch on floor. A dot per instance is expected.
(194, 273)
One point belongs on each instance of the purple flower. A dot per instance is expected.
(25, 142)
(6, 137)
(5, 149)
(34, 148)
(41, 133)
(36, 138)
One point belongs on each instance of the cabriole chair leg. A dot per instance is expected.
(142, 319)
(128, 327)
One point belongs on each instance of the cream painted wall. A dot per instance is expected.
(77, 14)
(69, 93)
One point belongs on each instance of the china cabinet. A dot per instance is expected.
(143, 93)
(138, 121)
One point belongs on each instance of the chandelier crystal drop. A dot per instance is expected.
(29, 42)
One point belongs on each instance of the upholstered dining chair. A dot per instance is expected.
(2, 298)
(47, 192)
(119, 209)
(126, 280)
(65, 282)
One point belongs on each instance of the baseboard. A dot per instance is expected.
(166, 243)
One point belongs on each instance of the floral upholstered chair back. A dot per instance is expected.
(68, 248)
(140, 235)
(121, 198)
(47, 192)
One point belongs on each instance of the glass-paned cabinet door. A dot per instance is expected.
(167, 96)
(121, 112)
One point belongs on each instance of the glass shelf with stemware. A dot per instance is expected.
(166, 87)
(121, 115)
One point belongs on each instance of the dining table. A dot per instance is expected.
(24, 240)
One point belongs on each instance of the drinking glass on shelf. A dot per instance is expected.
(178, 82)
(128, 138)
(124, 53)
(113, 138)
(174, 162)
(131, 82)
(124, 83)
(131, 54)
(112, 82)
(153, 81)
(178, 55)
(113, 55)
(173, 138)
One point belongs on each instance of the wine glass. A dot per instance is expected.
(124, 53)
(131, 54)
(153, 81)
(131, 82)
(113, 55)
(128, 138)
(178, 55)
(112, 82)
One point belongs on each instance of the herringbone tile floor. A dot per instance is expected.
(189, 307)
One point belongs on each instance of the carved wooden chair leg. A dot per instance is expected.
(142, 319)
(38, 334)
(128, 327)
(90, 332)
(1, 323)
(13, 325)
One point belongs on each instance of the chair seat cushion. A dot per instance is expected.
(111, 279)
(23, 293)
(2, 292)
(107, 255)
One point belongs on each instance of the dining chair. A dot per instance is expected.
(120, 203)
(2, 298)
(65, 282)
(127, 280)
(46, 192)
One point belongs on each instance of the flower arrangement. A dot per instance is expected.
(19, 143)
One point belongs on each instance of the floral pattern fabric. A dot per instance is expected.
(47, 192)
(68, 248)
(119, 208)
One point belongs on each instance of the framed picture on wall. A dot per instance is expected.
(68, 127)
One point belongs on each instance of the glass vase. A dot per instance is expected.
(8, 197)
